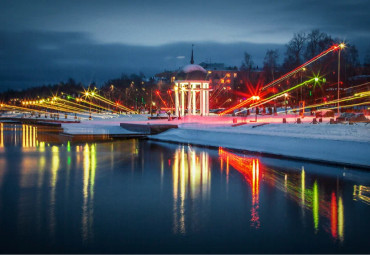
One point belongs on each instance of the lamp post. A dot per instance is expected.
(341, 47)
(338, 80)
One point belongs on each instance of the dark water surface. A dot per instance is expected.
(147, 197)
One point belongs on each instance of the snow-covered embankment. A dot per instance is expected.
(341, 144)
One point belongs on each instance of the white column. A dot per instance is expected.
(194, 94)
(189, 97)
(204, 99)
(201, 99)
(207, 98)
(182, 100)
(176, 99)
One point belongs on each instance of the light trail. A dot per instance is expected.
(287, 75)
(62, 109)
(63, 106)
(95, 105)
(22, 108)
(273, 97)
(160, 97)
(367, 83)
(107, 101)
(72, 103)
(354, 97)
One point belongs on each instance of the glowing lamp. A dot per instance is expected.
(342, 45)
(316, 79)
(92, 93)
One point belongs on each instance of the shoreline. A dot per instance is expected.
(351, 154)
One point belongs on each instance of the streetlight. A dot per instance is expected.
(341, 46)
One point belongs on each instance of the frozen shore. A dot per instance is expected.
(340, 144)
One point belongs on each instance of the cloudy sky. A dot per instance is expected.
(45, 41)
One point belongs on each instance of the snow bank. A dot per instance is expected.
(102, 125)
(328, 143)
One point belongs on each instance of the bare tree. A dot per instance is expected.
(248, 63)
(270, 64)
(294, 50)
(317, 42)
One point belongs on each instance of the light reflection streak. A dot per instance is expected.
(55, 161)
(340, 219)
(330, 208)
(250, 169)
(334, 215)
(89, 166)
(191, 180)
(303, 187)
(361, 193)
(315, 205)
(29, 136)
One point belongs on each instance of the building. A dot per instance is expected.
(192, 90)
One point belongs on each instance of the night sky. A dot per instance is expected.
(44, 42)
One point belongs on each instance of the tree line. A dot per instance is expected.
(303, 47)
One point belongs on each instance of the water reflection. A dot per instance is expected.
(46, 166)
(125, 193)
(361, 193)
(312, 197)
(191, 179)
(29, 136)
(55, 161)
(250, 169)
(89, 168)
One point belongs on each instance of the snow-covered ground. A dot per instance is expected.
(340, 143)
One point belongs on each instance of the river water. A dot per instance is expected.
(137, 196)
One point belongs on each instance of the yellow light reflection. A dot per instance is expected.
(315, 206)
(303, 186)
(42, 146)
(340, 219)
(191, 180)
(89, 168)
(55, 161)
(361, 193)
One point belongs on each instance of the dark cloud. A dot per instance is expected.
(97, 40)
(34, 58)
